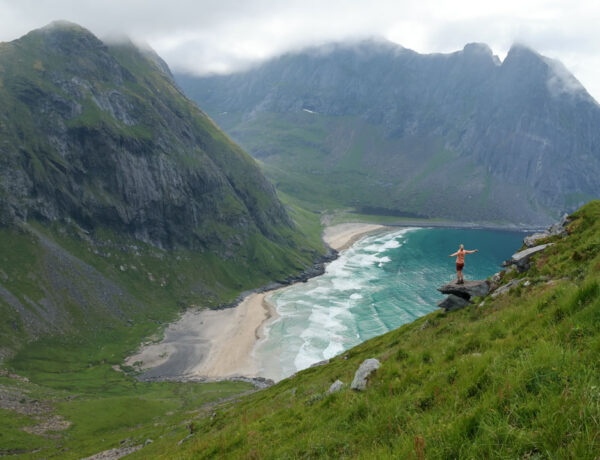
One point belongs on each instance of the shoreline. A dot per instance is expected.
(210, 345)
(464, 225)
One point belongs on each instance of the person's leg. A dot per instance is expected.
(460, 276)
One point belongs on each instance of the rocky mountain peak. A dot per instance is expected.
(521, 55)
(408, 119)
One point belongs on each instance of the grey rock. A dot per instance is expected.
(521, 258)
(335, 386)
(320, 363)
(530, 241)
(497, 277)
(558, 228)
(453, 302)
(362, 374)
(507, 287)
(467, 290)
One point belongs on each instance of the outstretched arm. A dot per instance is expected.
(471, 252)
(452, 255)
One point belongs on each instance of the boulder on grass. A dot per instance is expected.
(362, 374)
(335, 386)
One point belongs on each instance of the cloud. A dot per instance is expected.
(208, 36)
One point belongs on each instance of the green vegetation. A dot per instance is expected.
(93, 416)
(340, 162)
(73, 367)
(515, 378)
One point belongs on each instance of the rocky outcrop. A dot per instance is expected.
(521, 259)
(362, 374)
(459, 295)
(453, 302)
(507, 287)
(467, 289)
(559, 228)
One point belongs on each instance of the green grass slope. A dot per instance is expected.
(515, 378)
(72, 308)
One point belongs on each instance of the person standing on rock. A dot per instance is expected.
(460, 262)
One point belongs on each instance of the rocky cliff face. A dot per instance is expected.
(521, 134)
(101, 134)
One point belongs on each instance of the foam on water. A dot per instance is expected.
(378, 284)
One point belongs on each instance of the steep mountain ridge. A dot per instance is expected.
(101, 134)
(402, 127)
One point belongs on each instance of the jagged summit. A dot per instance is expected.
(396, 127)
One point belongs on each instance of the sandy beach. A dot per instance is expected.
(342, 236)
(217, 344)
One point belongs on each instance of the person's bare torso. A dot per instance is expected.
(460, 257)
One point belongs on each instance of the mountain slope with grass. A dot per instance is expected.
(121, 202)
(515, 377)
(384, 129)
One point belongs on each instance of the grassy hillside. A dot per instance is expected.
(88, 304)
(337, 162)
(515, 378)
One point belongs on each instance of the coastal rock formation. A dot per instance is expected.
(453, 302)
(466, 290)
(521, 259)
(559, 228)
(507, 287)
(459, 295)
(362, 374)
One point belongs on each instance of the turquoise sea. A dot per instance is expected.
(380, 283)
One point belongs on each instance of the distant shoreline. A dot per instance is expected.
(424, 223)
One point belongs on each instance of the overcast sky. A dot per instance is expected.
(221, 36)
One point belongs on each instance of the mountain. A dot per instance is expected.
(121, 202)
(385, 129)
(101, 134)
